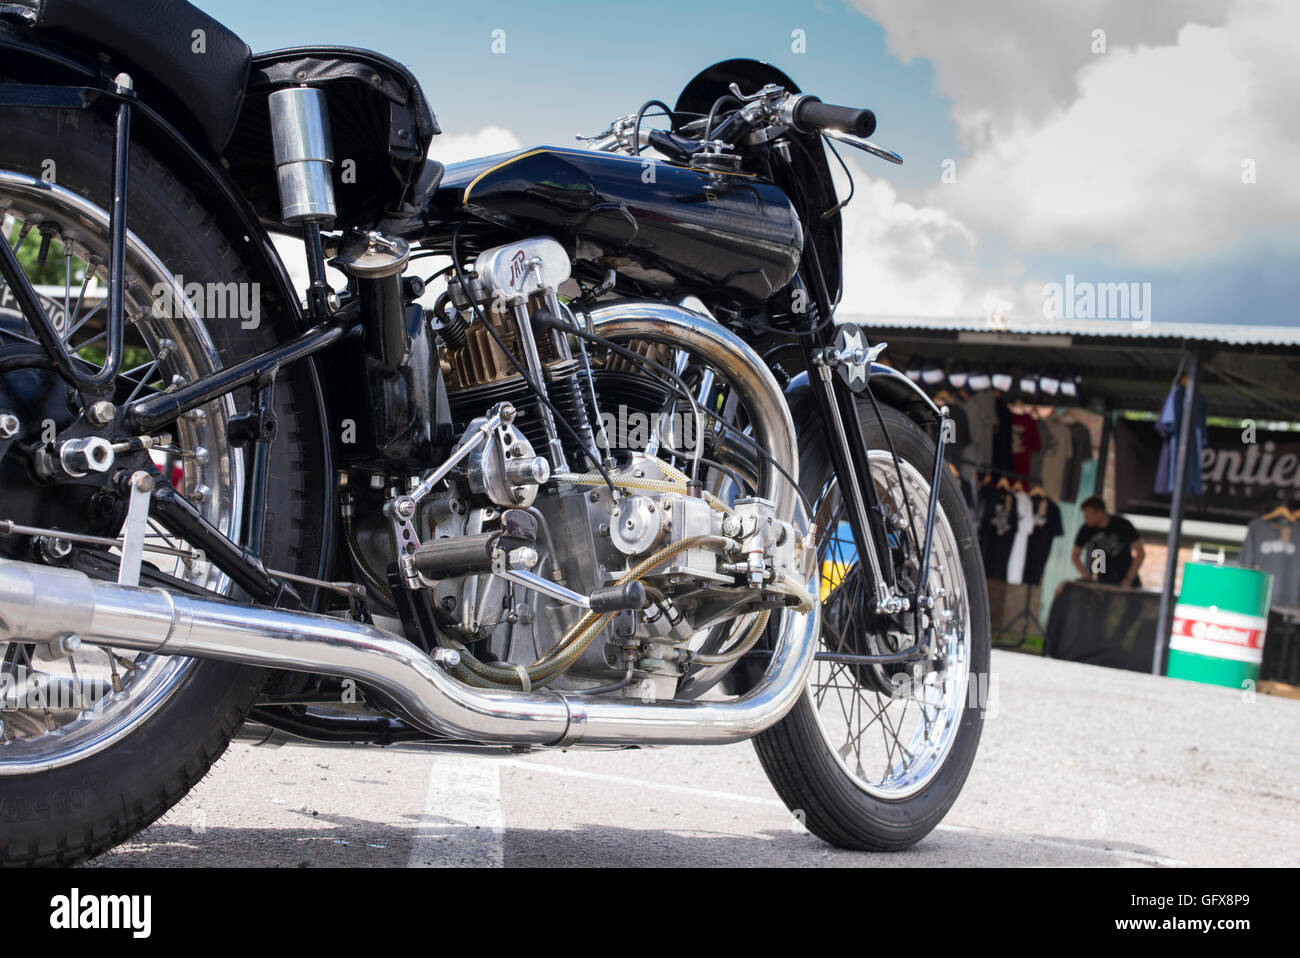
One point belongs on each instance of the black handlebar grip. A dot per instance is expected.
(616, 598)
(812, 114)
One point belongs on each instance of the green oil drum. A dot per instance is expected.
(1219, 624)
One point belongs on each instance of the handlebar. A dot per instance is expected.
(811, 114)
(770, 106)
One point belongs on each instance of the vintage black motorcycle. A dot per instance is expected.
(606, 473)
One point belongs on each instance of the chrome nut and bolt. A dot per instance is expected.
(54, 549)
(79, 457)
(9, 425)
(532, 471)
(101, 413)
(402, 508)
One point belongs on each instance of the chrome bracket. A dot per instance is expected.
(140, 492)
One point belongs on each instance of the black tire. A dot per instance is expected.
(800, 762)
(73, 812)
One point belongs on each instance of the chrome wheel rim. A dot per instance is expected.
(892, 745)
(108, 693)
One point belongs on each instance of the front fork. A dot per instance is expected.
(838, 406)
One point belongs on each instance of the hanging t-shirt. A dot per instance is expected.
(1114, 541)
(1168, 425)
(1049, 463)
(1020, 541)
(1273, 545)
(959, 438)
(1025, 441)
(1002, 446)
(982, 417)
(998, 531)
(1047, 526)
(1080, 452)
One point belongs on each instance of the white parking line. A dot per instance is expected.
(638, 783)
(735, 798)
(462, 824)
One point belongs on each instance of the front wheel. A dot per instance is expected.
(872, 757)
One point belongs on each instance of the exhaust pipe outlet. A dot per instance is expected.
(40, 603)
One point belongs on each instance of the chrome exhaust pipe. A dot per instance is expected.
(41, 603)
(676, 326)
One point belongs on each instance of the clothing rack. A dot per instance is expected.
(1010, 474)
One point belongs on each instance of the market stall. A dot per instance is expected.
(1049, 414)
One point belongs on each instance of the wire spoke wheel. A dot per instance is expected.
(59, 706)
(889, 727)
(873, 755)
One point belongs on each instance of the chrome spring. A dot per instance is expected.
(565, 383)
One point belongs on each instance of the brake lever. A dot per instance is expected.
(865, 145)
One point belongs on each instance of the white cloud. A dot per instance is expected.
(1015, 61)
(1136, 152)
(904, 259)
(454, 147)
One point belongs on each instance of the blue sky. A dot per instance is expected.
(569, 67)
(1121, 165)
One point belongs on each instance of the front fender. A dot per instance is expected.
(888, 385)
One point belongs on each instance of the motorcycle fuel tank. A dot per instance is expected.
(673, 230)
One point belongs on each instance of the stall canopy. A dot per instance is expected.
(1248, 372)
(1242, 371)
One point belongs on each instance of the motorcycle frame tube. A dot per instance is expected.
(91, 385)
(224, 200)
(41, 603)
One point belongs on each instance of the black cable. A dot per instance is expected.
(446, 269)
(819, 323)
(652, 366)
(853, 187)
(537, 390)
(640, 114)
(713, 112)
(810, 243)
(727, 471)
(807, 503)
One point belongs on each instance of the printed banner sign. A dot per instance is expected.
(1241, 479)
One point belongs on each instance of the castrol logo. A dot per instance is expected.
(1219, 633)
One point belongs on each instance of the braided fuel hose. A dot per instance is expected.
(474, 672)
(641, 484)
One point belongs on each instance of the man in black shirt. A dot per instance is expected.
(1107, 548)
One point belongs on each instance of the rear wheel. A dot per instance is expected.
(872, 756)
(96, 745)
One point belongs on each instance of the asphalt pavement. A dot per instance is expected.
(1078, 765)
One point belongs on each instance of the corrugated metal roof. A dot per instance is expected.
(1229, 333)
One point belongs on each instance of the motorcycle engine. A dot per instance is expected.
(587, 536)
